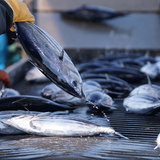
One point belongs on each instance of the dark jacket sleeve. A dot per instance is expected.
(6, 17)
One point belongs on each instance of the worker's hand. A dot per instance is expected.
(5, 78)
(21, 12)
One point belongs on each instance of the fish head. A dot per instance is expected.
(100, 98)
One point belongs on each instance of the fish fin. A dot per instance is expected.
(155, 147)
(120, 135)
(27, 109)
(148, 63)
(107, 76)
(62, 55)
(149, 80)
(43, 114)
(33, 126)
(122, 64)
(147, 54)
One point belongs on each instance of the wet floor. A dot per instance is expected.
(141, 131)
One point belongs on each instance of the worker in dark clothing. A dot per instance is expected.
(12, 11)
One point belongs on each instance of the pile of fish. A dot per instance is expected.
(95, 84)
(110, 77)
(22, 113)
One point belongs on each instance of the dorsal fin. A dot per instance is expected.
(62, 55)
(107, 76)
(27, 110)
(149, 80)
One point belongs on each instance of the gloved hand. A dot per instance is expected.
(21, 12)
(5, 78)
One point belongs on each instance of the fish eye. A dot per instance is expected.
(74, 83)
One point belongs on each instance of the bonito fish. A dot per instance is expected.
(58, 126)
(148, 89)
(92, 91)
(51, 59)
(142, 104)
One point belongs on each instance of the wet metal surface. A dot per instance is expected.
(142, 131)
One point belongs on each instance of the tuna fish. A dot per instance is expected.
(148, 89)
(142, 104)
(58, 126)
(100, 100)
(58, 95)
(91, 13)
(50, 58)
(93, 92)
(31, 103)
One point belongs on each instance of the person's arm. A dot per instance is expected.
(5, 79)
(6, 17)
(12, 11)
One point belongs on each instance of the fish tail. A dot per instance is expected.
(155, 147)
(120, 135)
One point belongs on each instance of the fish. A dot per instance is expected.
(49, 57)
(100, 101)
(34, 75)
(8, 92)
(94, 96)
(148, 89)
(31, 103)
(158, 142)
(58, 95)
(58, 126)
(91, 13)
(142, 104)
